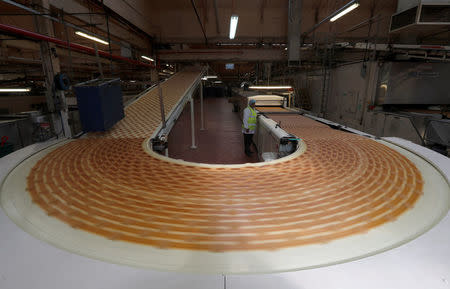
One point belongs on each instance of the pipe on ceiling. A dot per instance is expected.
(202, 52)
(59, 42)
(35, 12)
(199, 21)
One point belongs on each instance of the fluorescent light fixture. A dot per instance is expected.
(132, 81)
(345, 11)
(233, 25)
(207, 77)
(15, 89)
(82, 34)
(280, 87)
(218, 81)
(147, 58)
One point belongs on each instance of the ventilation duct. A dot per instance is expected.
(424, 17)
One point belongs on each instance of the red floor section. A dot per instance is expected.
(221, 142)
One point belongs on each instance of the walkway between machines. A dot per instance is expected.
(220, 143)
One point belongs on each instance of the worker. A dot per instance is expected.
(249, 125)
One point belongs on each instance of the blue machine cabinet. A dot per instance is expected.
(100, 103)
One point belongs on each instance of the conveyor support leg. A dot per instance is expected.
(202, 120)
(193, 146)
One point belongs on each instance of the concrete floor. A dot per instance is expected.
(220, 143)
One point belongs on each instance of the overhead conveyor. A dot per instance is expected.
(108, 196)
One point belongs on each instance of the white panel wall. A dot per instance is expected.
(351, 91)
(315, 91)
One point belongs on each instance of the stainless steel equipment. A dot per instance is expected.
(413, 83)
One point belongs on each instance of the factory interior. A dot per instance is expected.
(224, 144)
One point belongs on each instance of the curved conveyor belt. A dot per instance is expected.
(106, 196)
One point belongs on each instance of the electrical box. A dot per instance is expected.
(100, 104)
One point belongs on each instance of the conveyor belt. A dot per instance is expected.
(107, 184)
(143, 117)
(272, 109)
(113, 188)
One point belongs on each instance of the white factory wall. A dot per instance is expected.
(348, 94)
(316, 83)
(347, 91)
(351, 90)
(309, 83)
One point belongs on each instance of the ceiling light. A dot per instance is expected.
(210, 76)
(270, 87)
(233, 25)
(15, 89)
(204, 78)
(346, 9)
(147, 58)
(218, 81)
(82, 34)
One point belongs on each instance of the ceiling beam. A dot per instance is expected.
(217, 17)
(231, 55)
(261, 11)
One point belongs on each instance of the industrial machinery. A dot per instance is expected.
(272, 141)
(15, 133)
(100, 104)
(437, 135)
(414, 98)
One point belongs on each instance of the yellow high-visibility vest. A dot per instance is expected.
(251, 119)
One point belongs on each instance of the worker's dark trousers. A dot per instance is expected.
(248, 140)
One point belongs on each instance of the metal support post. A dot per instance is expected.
(268, 71)
(224, 281)
(202, 120)
(66, 32)
(294, 31)
(109, 42)
(56, 102)
(193, 146)
(64, 114)
(99, 64)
